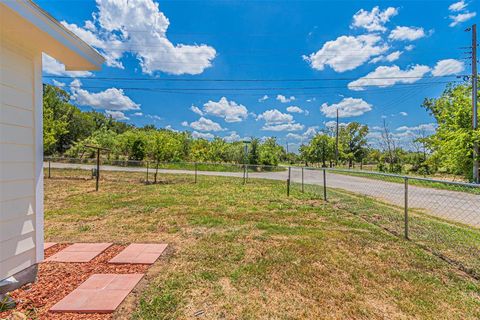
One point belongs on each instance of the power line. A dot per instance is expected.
(250, 80)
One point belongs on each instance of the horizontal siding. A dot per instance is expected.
(16, 79)
(16, 152)
(12, 190)
(14, 60)
(17, 263)
(15, 134)
(16, 116)
(17, 208)
(17, 228)
(16, 171)
(15, 97)
(16, 246)
(17, 158)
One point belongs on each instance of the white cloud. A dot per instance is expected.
(461, 17)
(409, 47)
(230, 111)
(295, 109)
(348, 107)
(137, 114)
(406, 33)
(109, 99)
(196, 110)
(390, 57)
(448, 67)
(311, 99)
(384, 76)
(457, 6)
(53, 67)
(58, 83)
(232, 137)
(331, 125)
(139, 27)
(275, 117)
(294, 136)
(403, 113)
(373, 20)
(203, 124)
(154, 117)
(117, 115)
(264, 98)
(310, 132)
(347, 52)
(429, 127)
(283, 127)
(284, 99)
(202, 135)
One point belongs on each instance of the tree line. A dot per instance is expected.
(67, 130)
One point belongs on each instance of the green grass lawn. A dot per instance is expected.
(249, 252)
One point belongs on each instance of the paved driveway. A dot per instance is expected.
(456, 206)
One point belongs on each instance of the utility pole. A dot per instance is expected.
(336, 143)
(476, 178)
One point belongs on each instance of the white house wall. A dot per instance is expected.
(19, 175)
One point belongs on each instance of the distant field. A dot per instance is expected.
(249, 252)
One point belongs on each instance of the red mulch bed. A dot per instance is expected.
(57, 280)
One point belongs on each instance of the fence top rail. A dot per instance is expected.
(393, 175)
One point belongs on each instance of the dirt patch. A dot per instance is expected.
(56, 280)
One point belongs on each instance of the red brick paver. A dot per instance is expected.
(101, 293)
(48, 245)
(79, 252)
(139, 253)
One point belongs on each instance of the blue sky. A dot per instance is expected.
(407, 50)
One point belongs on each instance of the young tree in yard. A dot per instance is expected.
(353, 142)
(270, 152)
(163, 145)
(131, 144)
(452, 143)
(321, 149)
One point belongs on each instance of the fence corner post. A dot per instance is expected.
(406, 208)
(324, 185)
(49, 165)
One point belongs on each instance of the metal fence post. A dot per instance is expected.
(49, 175)
(302, 181)
(244, 173)
(324, 184)
(195, 172)
(98, 170)
(406, 207)
(148, 164)
(288, 181)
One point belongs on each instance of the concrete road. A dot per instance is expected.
(452, 205)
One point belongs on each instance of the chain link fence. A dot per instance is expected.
(441, 216)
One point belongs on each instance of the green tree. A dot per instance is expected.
(163, 146)
(270, 152)
(353, 142)
(321, 149)
(452, 143)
